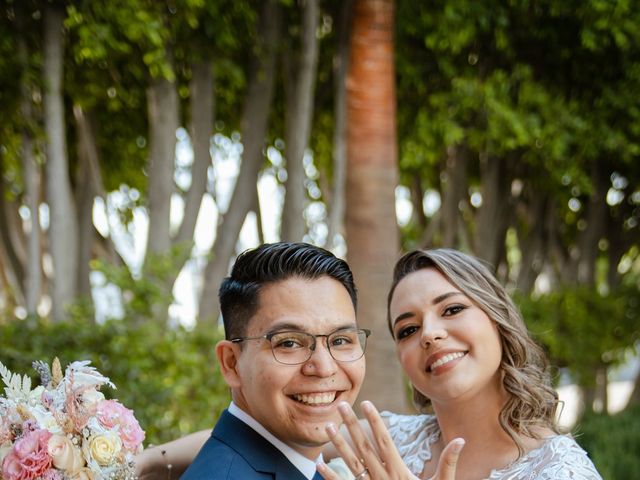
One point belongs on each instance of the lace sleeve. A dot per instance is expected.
(559, 458)
(413, 436)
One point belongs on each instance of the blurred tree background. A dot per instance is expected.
(144, 142)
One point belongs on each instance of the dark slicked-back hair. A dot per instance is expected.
(270, 263)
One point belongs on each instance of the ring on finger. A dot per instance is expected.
(362, 474)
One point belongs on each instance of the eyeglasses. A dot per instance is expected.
(293, 347)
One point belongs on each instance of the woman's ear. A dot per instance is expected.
(228, 358)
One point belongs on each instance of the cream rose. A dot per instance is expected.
(83, 474)
(65, 455)
(104, 448)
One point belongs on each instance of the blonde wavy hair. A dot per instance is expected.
(532, 402)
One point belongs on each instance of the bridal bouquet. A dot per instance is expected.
(65, 429)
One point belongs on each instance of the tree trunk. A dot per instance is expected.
(253, 130)
(602, 384)
(299, 117)
(454, 192)
(532, 237)
(492, 220)
(86, 124)
(596, 217)
(372, 233)
(32, 179)
(85, 194)
(336, 210)
(634, 399)
(416, 192)
(162, 99)
(63, 228)
(259, 220)
(13, 266)
(202, 118)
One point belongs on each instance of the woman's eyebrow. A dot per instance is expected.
(435, 301)
(444, 296)
(402, 316)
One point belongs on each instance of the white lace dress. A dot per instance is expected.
(558, 458)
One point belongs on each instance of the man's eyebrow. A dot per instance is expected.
(280, 326)
(435, 301)
(284, 326)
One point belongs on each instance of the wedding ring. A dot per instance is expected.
(362, 474)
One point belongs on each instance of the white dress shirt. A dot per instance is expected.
(307, 467)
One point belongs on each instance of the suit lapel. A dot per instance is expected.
(254, 448)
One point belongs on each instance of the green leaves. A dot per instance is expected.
(583, 330)
(168, 377)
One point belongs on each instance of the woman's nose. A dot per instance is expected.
(433, 330)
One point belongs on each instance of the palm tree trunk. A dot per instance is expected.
(371, 227)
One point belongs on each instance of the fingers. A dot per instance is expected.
(365, 453)
(366, 459)
(345, 451)
(449, 460)
(384, 443)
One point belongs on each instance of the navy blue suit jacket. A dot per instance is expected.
(237, 451)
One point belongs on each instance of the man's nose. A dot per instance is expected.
(321, 363)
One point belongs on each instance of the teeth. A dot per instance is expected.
(445, 359)
(316, 398)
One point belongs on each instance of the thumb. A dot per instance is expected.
(449, 460)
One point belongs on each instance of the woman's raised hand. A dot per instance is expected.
(379, 460)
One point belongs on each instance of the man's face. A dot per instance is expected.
(295, 402)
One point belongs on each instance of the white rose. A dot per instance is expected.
(45, 419)
(91, 397)
(103, 448)
(65, 455)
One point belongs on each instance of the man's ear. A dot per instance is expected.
(228, 356)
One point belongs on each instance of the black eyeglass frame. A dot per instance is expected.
(312, 348)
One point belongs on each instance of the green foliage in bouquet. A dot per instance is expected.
(613, 442)
(169, 377)
(582, 330)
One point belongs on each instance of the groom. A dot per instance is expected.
(292, 352)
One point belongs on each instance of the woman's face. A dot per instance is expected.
(447, 345)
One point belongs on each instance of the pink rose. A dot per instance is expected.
(65, 455)
(29, 457)
(11, 466)
(111, 413)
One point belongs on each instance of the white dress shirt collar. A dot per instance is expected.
(307, 467)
